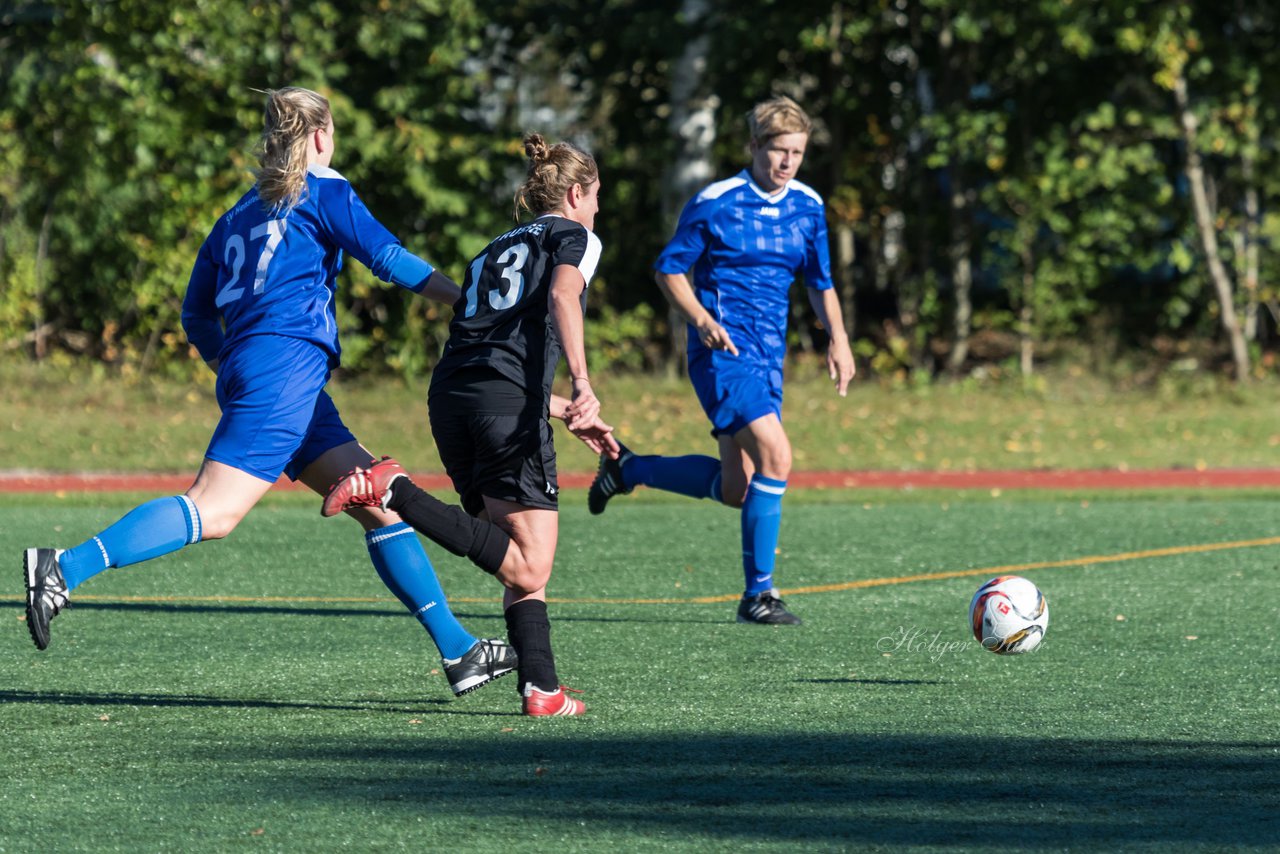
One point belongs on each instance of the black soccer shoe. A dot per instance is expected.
(489, 659)
(766, 608)
(46, 591)
(608, 482)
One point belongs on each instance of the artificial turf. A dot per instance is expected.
(266, 692)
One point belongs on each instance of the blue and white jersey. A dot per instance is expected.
(267, 272)
(745, 248)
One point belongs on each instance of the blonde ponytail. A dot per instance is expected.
(291, 115)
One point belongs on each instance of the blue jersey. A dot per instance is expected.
(267, 272)
(745, 248)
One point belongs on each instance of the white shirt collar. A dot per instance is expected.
(775, 198)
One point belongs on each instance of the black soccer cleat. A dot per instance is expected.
(489, 659)
(46, 591)
(608, 482)
(766, 608)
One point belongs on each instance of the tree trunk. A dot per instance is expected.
(1026, 315)
(1250, 239)
(961, 275)
(1194, 170)
(954, 92)
(41, 329)
(844, 256)
(693, 125)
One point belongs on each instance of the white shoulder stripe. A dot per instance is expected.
(591, 257)
(325, 172)
(807, 190)
(719, 188)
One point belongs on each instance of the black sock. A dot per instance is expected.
(529, 630)
(448, 525)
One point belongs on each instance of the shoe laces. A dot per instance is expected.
(55, 599)
(767, 602)
(488, 652)
(53, 587)
(363, 493)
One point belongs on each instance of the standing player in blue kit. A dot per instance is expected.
(260, 310)
(745, 239)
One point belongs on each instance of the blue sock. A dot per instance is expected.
(696, 476)
(761, 521)
(149, 530)
(404, 567)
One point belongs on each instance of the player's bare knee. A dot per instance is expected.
(531, 582)
(524, 577)
(776, 462)
(216, 526)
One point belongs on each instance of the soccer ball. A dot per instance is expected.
(1009, 615)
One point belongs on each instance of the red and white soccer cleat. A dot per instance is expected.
(363, 487)
(538, 703)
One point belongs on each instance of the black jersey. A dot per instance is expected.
(503, 320)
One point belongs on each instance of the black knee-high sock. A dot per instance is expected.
(529, 630)
(448, 525)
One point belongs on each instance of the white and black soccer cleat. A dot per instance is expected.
(46, 591)
(608, 482)
(488, 660)
(766, 608)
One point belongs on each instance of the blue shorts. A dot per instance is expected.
(276, 417)
(735, 390)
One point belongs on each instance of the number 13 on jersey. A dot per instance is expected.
(510, 265)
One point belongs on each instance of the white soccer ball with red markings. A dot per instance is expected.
(1009, 615)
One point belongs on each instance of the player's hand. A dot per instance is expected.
(598, 436)
(585, 408)
(715, 337)
(840, 365)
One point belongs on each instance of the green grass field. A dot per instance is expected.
(266, 693)
(70, 418)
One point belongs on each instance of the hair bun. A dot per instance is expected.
(535, 147)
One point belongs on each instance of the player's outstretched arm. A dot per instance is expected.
(679, 293)
(840, 364)
(441, 288)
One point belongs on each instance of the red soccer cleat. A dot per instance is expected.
(538, 703)
(362, 487)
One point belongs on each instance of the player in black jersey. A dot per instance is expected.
(490, 400)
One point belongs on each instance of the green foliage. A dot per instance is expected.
(1038, 139)
(623, 340)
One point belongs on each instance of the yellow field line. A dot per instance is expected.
(1014, 568)
(1007, 569)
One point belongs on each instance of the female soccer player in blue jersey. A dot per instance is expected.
(744, 238)
(490, 401)
(260, 310)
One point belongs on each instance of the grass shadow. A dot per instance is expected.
(417, 706)
(855, 790)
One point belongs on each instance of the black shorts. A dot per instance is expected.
(504, 455)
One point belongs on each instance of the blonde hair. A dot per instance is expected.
(775, 117)
(291, 115)
(552, 171)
